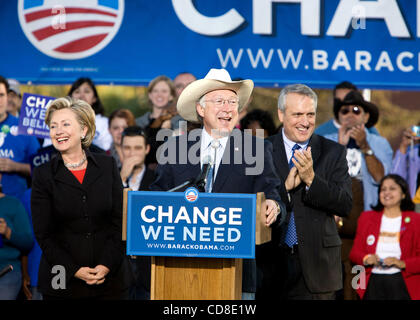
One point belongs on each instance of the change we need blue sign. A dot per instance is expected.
(191, 224)
(32, 115)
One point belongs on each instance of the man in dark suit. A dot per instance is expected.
(216, 101)
(318, 187)
(138, 177)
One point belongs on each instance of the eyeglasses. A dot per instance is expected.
(221, 102)
(356, 110)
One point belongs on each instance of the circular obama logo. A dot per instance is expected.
(191, 194)
(70, 29)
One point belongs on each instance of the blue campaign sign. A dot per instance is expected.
(274, 42)
(32, 115)
(191, 224)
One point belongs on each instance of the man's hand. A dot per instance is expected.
(304, 165)
(128, 167)
(292, 180)
(4, 229)
(358, 133)
(343, 135)
(271, 212)
(7, 165)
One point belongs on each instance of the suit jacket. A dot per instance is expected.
(231, 178)
(314, 209)
(369, 226)
(79, 225)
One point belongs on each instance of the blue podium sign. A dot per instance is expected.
(191, 224)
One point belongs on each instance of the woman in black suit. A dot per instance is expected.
(76, 209)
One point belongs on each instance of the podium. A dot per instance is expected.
(200, 278)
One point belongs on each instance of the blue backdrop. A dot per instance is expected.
(374, 44)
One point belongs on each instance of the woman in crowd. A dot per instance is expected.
(84, 89)
(118, 121)
(15, 240)
(387, 243)
(161, 92)
(259, 119)
(76, 210)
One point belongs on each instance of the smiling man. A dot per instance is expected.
(318, 187)
(215, 102)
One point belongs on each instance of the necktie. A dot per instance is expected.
(215, 144)
(291, 236)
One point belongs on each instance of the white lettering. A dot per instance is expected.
(229, 56)
(387, 10)
(310, 13)
(209, 26)
(319, 58)
(384, 62)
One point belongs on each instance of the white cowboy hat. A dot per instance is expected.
(216, 79)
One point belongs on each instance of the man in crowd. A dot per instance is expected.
(216, 101)
(14, 98)
(136, 176)
(15, 150)
(318, 187)
(339, 92)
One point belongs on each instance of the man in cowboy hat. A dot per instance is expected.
(369, 158)
(216, 101)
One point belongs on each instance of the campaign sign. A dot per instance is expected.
(191, 224)
(32, 115)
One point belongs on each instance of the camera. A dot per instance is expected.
(416, 131)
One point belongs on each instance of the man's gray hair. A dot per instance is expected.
(299, 89)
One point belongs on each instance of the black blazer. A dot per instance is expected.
(80, 225)
(330, 194)
(231, 178)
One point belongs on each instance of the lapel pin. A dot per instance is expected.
(407, 219)
(236, 149)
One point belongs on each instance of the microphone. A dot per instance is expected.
(201, 180)
(5, 270)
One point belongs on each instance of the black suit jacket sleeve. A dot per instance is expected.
(332, 195)
(43, 223)
(111, 255)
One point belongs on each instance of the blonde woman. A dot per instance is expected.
(76, 207)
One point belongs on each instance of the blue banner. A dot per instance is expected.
(191, 224)
(374, 44)
(32, 115)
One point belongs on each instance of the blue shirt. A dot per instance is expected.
(382, 151)
(18, 148)
(331, 126)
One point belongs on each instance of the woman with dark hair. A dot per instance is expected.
(259, 119)
(84, 89)
(387, 243)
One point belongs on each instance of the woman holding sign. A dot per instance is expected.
(76, 208)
